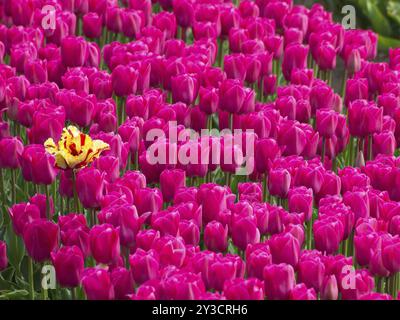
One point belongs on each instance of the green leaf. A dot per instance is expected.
(6, 284)
(15, 248)
(375, 16)
(16, 294)
(386, 42)
(393, 10)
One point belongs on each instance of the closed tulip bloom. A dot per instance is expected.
(190, 232)
(124, 80)
(214, 199)
(329, 288)
(183, 286)
(146, 238)
(279, 182)
(376, 266)
(328, 234)
(171, 250)
(48, 122)
(167, 222)
(295, 57)
(231, 96)
(104, 243)
(391, 256)
(184, 88)
(75, 232)
(235, 66)
(364, 246)
(97, 284)
(37, 165)
(122, 282)
(311, 272)
(35, 70)
(356, 89)
(266, 151)
(244, 232)
(22, 214)
(3, 256)
(184, 12)
(326, 56)
(301, 292)
(92, 25)
(326, 122)
(208, 100)
(221, 270)
(241, 289)
(40, 238)
(383, 143)
(300, 200)
(10, 150)
(279, 280)
(100, 85)
(364, 284)
(285, 248)
(144, 265)
(89, 186)
(358, 201)
(40, 201)
(256, 262)
(148, 200)
(73, 51)
(126, 219)
(69, 265)
(216, 236)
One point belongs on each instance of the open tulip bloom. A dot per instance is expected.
(158, 150)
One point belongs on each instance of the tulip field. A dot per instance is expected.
(196, 150)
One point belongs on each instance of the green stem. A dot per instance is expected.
(46, 187)
(265, 187)
(73, 294)
(13, 187)
(75, 192)
(31, 283)
(369, 147)
(344, 81)
(2, 190)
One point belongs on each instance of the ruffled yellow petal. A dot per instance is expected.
(50, 146)
(75, 149)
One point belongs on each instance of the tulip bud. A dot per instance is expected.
(144, 265)
(300, 292)
(3, 256)
(122, 281)
(10, 150)
(326, 122)
(279, 280)
(69, 265)
(89, 186)
(216, 236)
(124, 80)
(40, 238)
(170, 182)
(241, 289)
(41, 202)
(97, 284)
(75, 232)
(104, 243)
(73, 51)
(279, 182)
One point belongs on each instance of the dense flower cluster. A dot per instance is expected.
(318, 217)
